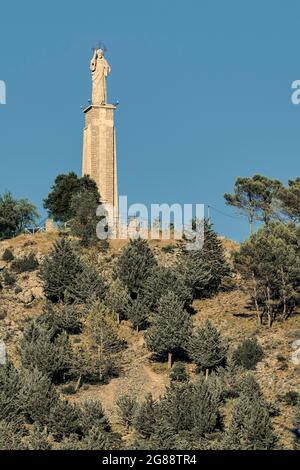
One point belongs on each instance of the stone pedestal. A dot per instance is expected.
(99, 153)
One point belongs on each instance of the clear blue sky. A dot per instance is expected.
(204, 90)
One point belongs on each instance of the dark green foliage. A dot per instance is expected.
(59, 270)
(206, 348)
(134, 265)
(186, 410)
(26, 264)
(179, 372)
(9, 279)
(204, 269)
(251, 427)
(15, 215)
(256, 197)
(270, 266)
(84, 221)
(249, 386)
(7, 255)
(144, 421)
(9, 391)
(96, 439)
(59, 200)
(36, 396)
(290, 199)
(87, 286)
(92, 415)
(291, 398)
(63, 420)
(162, 280)
(117, 299)
(50, 353)
(62, 317)
(127, 407)
(138, 314)
(170, 328)
(248, 354)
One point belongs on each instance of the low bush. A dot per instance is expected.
(248, 354)
(7, 255)
(25, 264)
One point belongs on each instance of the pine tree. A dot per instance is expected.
(63, 420)
(204, 269)
(102, 329)
(41, 349)
(96, 439)
(251, 427)
(205, 405)
(83, 224)
(59, 269)
(98, 360)
(87, 286)
(175, 409)
(36, 396)
(92, 415)
(206, 347)
(170, 328)
(144, 421)
(138, 314)
(9, 390)
(162, 280)
(134, 265)
(62, 317)
(117, 299)
(127, 406)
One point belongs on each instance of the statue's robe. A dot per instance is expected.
(100, 69)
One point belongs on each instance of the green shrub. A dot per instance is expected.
(179, 373)
(26, 264)
(248, 354)
(59, 269)
(134, 265)
(93, 415)
(7, 255)
(63, 420)
(9, 279)
(291, 398)
(127, 407)
(3, 313)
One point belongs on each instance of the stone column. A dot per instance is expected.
(99, 159)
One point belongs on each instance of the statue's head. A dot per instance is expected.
(100, 53)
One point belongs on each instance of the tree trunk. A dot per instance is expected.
(170, 360)
(78, 383)
(206, 373)
(118, 318)
(251, 229)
